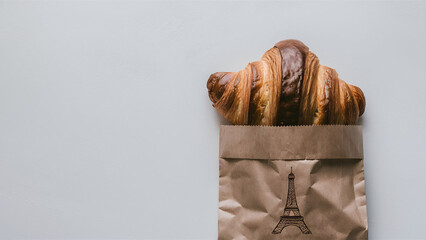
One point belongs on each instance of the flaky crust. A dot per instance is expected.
(293, 57)
(231, 95)
(265, 89)
(288, 86)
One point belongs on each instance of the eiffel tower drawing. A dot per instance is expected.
(291, 216)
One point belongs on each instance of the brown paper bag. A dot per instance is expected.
(302, 182)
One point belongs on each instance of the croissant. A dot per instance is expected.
(288, 86)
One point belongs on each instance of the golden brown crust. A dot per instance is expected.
(308, 97)
(323, 95)
(349, 106)
(230, 94)
(359, 98)
(287, 86)
(266, 89)
(326, 99)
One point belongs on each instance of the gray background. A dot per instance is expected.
(106, 129)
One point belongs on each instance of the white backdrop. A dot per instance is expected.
(107, 131)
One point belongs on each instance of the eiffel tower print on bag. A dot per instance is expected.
(322, 167)
(291, 216)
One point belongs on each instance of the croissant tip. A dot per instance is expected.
(210, 85)
(360, 98)
(216, 85)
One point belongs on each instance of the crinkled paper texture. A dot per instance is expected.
(327, 163)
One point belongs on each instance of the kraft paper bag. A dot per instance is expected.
(301, 182)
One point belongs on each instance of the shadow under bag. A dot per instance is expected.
(301, 182)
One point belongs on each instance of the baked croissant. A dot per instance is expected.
(288, 86)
